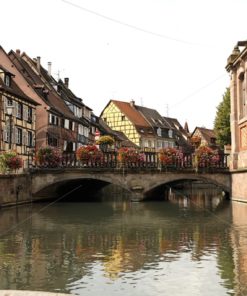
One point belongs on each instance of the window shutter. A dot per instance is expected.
(50, 118)
(64, 145)
(14, 108)
(15, 135)
(33, 115)
(5, 134)
(33, 140)
(4, 104)
(24, 137)
(25, 112)
(73, 126)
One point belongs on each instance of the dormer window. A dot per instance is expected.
(7, 80)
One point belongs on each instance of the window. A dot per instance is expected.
(29, 139)
(9, 102)
(170, 133)
(52, 141)
(29, 114)
(66, 123)
(242, 94)
(7, 80)
(71, 125)
(19, 136)
(123, 118)
(53, 119)
(159, 131)
(80, 129)
(62, 122)
(19, 113)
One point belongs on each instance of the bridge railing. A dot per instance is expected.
(150, 160)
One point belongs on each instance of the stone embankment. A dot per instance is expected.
(29, 293)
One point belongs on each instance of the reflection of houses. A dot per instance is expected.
(145, 127)
(204, 136)
(237, 67)
(17, 116)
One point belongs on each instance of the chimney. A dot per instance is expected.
(66, 82)
(132, 103)
(18, 52)
(49, 68)
(38, 64)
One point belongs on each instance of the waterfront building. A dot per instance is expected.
(17, 116)
(143, 126)
(182, 135)
(60, 121)
(237, 67)
(204, 136)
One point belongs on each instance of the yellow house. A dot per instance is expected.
(143, 126)
(17, 117)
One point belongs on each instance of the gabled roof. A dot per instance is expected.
(181, 134)
(132, 114)
(177, 126)
(206, 133)
(16, 91)
(41, 86)
(13, 89)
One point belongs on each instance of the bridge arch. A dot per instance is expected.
(56, 185)
(138, 183)
(161, 184)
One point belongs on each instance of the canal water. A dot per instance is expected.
(189, 245)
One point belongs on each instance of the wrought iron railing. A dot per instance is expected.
(150, 160)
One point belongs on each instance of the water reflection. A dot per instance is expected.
(162, 248)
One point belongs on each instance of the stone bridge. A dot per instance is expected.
(54, 183)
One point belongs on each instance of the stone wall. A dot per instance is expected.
(15, 189)
(239, 186)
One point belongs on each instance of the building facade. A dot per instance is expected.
(145, 127)
(17, 117)
(237, 67)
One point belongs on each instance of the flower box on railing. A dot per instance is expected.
(10, 161)
(49, 157)
(89, 155)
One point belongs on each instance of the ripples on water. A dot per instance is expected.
(181, 247)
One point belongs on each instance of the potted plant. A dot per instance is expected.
(89, 153)
(129, 155)
(206, 157)
(49, 157)
(10, 161)
(104, 142)
(168, 156)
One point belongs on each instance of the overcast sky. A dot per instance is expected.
(168, 55)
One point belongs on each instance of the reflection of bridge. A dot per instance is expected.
(140, 182)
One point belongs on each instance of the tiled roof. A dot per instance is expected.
(57, 105)
(206, 133)
(153, 117)
(133, 115)
(180, 134)
(16, 91)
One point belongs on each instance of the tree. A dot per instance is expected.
(222, 126)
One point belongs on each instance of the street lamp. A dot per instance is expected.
(9, 110)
